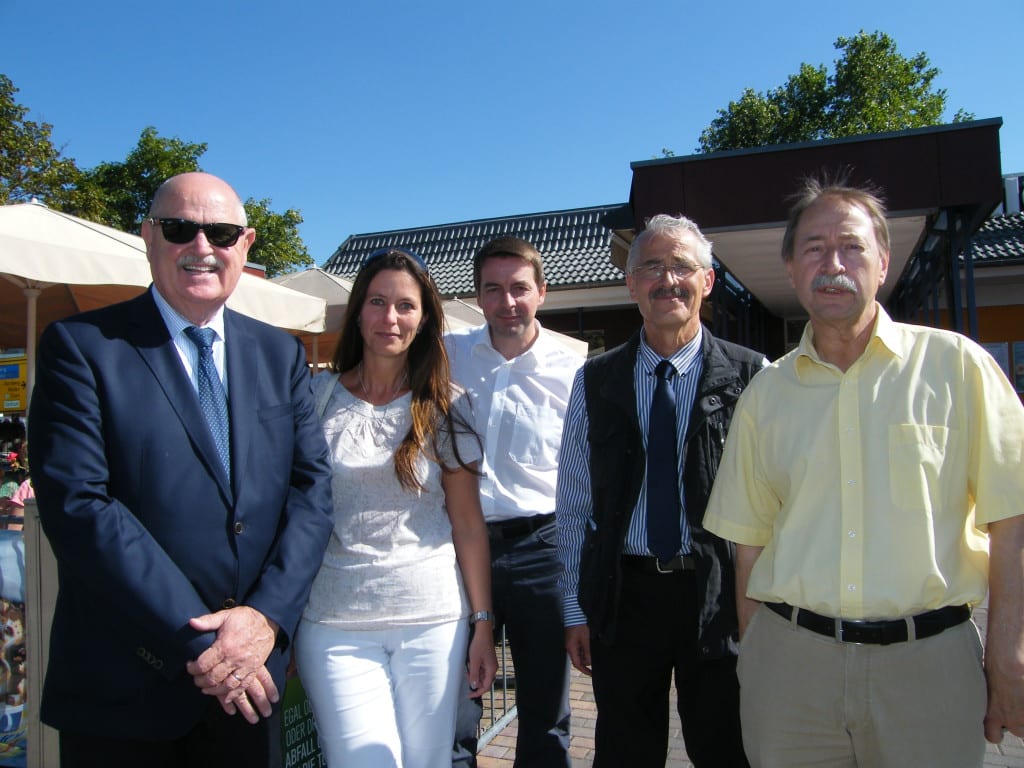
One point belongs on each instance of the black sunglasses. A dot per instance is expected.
(181, 231)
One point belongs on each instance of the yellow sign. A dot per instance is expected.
(12, 384)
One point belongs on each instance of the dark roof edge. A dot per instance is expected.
(945, 127)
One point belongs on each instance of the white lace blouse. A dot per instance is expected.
(390, 561)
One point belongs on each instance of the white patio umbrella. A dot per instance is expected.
(53, 265)
(332, 289)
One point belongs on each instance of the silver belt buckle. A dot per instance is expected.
(839, 634)
(679, 563)
(657, 564)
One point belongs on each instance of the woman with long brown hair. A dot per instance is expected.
(382, 642)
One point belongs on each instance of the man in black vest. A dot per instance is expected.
(647, 591)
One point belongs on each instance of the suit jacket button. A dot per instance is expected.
(239, 528)
(229, 603)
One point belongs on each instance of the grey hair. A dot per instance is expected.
(672, 226)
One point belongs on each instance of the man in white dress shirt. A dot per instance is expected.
(519, 377)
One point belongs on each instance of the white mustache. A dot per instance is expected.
(193, 261)
(841, 282)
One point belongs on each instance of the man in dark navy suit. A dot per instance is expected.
(183, 482)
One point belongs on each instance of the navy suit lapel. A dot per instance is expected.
(150, 337)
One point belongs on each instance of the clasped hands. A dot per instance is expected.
(233, 668)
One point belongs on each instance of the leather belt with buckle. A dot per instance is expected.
(875, 632)
(648, 564)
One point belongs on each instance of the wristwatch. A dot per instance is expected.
(481, 616)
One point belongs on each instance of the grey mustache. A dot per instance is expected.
(192, 261)
(673, 292)
(834, 281)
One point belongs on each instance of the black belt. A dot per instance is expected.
(875, 632)
(517, 527)
(650, 564)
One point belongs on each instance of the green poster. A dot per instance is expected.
(299, 744)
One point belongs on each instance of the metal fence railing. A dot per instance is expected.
(499, 703)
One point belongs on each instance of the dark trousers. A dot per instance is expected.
(216, 740)
(527, 602)
(656, 636)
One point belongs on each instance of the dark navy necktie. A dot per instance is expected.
(663, 512)
(211, 393)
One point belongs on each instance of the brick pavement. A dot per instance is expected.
(500, 753)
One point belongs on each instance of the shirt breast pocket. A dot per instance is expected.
(917, 453)
(536, 435)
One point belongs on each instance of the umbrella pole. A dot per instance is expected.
(316, 353)
(31, 294)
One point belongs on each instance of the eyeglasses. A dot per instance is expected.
(415, 257)
(680, 269)
(181, 231)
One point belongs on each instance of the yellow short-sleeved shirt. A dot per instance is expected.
(870, 490)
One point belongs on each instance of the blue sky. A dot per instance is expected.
(371, 116)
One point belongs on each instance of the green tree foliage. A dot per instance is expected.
(125, 189)
(872, 90)
(30, 165)
(278, 247)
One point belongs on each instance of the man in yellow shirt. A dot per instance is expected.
(860, 476)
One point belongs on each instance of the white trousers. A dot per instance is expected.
(387, 698)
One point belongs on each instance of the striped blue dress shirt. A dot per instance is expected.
(573, 499)
(176, 325)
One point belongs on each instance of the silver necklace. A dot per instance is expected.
(394, 392)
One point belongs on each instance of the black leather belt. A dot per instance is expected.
(650, 564)
(517, 527)
(875, 632)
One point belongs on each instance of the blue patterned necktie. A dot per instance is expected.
(211, 393)
(663, 524)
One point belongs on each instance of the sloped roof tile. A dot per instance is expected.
(1000, 240)
(574, 243)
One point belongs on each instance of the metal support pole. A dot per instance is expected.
(972, 305)
(31, 295)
